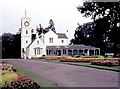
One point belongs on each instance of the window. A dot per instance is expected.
(26, 41)
(26, 31)
(51, 40)
(38, 51)
(62, 41)
(37, 42)
(32, 30)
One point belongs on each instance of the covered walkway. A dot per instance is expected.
(70, 50)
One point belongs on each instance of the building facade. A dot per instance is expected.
(48, 42)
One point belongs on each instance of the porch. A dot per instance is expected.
(71, 50)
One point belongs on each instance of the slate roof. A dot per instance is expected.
(71, 47)
(30, 43)
(61, 35)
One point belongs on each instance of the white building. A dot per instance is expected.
(48, 42)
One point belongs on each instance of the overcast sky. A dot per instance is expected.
(63, 13)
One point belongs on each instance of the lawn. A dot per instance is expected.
(42, 82)
(115, 68)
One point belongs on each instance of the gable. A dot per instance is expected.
(37, 42)
(51, 34)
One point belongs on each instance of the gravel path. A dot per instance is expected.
(64, 75)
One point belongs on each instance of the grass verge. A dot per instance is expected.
(115, 68)
(42, 82)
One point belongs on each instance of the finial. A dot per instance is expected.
(25, 13)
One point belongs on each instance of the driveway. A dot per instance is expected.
(64, 75)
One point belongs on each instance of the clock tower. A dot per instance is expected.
(25, 34)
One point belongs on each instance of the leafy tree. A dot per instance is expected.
(84, 33)
(106, 19)
(11, 45)
(0, 47)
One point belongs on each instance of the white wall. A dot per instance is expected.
(35, 45)
(65, 41)
(56, 40)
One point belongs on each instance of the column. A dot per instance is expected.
(61, 52)
(69, 51)
(55, 52)
(47, 50)
(94, 51)
(72, 51)
(83, 51)
(99, 52)
(66, 52)
(78, 51)
(88, 52)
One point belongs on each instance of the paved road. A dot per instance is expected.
(65, 75)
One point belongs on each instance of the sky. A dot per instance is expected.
(63, 13)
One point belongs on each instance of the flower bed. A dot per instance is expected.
(12, 80)
(20, 83)
(5, 66)
(93, 61)
(106, 62)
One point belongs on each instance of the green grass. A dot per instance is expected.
(42, 82)
(115, 68)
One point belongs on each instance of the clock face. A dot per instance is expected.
(26, 23)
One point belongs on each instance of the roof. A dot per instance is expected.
(81, 47)
(61, 35)
(71, 47)
(30, 43)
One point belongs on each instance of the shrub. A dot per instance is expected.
(12, 80)
(21, 82)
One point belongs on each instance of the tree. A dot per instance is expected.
(106, 18)
(84, 34)
(0, 47)
(11, 45)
